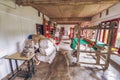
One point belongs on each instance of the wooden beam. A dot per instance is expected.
(40, 9)
(67, 23)
(72, 19)
(94, 28)
(65, 2)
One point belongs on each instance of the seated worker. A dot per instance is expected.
(74, 43)
(30, 36)
(34, 44)
(36, 51)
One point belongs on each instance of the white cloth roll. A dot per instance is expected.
(43, 44)
(42, 51)
(49, 50)
(49, 43)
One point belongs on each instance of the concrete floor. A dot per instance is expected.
(59, 70)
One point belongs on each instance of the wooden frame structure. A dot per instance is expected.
(98, 54)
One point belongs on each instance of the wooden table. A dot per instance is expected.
(29, 59)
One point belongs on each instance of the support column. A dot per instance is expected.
(78, 47)
(43, 23)
(109, 46)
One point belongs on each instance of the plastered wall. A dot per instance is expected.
(66, 26)
(114, 12)
(16, 23)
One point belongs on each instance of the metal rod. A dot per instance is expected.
(16, 64)
(33, 67)
(11, 66)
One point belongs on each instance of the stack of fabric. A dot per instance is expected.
(47, 51)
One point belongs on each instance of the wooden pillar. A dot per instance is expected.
(111, 34)
(43, 23)
(98, 57)
(97, 35)
(78, 47)
(98, 51)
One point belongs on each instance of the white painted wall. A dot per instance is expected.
(114, 12)
(46, 18)
(16, 23)
(66, 27)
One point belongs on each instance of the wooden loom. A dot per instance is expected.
(98, 54)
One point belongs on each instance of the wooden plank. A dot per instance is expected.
(116, 53)
(96, 27)
(90, 63)
(92, 52)
(17, 56)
